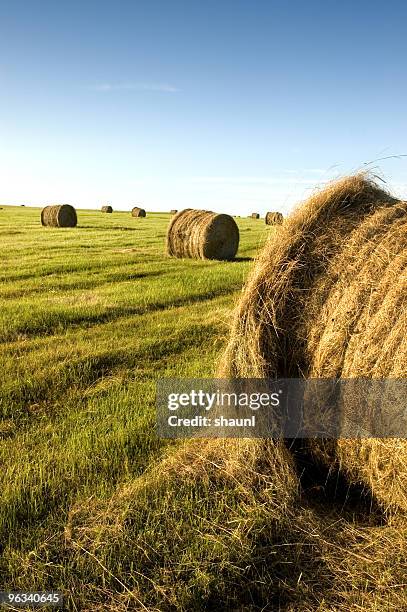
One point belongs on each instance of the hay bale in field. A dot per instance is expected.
(107, 209)
(255, 216)
(328, 299)
(174, 211)
(274, 218)
(201, 234)
(138, 212)
(60, 215)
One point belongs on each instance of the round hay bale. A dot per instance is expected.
(138, 212)
(274, 218)
(107, 209)
(255, 216)
(201, 234)
(174, 211)
(328, 299)
(60, 215)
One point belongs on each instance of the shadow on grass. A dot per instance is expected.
(239, 259)
(327, 489)
(83, 284)
(60, 272)
(57, 322)
(80, 374)
(108, 228)
(290, 564)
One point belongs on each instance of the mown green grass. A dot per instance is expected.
(94, 504)
(91, 317)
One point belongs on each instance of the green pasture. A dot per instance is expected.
(90, 317)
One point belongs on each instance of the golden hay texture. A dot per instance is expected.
(327, 299)
(255, 216)
(201, 234)
(107, 209)
(60, 215)
(224, 522)
(274, 218)
(183, 534)
(138, 212)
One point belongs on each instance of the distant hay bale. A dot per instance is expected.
(174, 211)
(107, 209)
(201, 234)
(274, 218)
(138, 212)
(328, 299)
(255, 216)
(60, 215)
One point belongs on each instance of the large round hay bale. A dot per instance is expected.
(328, 299)
(274, 218)
(138, 212)
(107, 209)
(60, 215)
(255, 216)
(201, 234)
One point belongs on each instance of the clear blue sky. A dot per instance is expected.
(228, 105)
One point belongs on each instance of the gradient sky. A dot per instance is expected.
(236, 106)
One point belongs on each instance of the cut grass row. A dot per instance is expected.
(91, 317)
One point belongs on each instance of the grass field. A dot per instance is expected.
(90, 318)
(94, 504)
